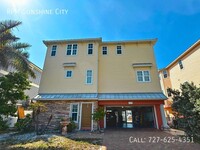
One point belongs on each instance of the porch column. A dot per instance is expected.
(159, 117)
(164, 121)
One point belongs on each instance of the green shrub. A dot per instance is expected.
(3, 124)
(24, 125)
(71, 126)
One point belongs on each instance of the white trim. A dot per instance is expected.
(121, 50)
(92, 49)
(155, 113)
(77, 111)
(135, 65)
(69, 64)
(165, 72)
(72, 49)
(53, 50)
(92, 122)
(104, 50)
(91, 77)
(80, 116)
(66, 73)
(143, 76)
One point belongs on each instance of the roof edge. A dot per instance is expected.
(47, 42)
(183, 54)
(153, 41)
(34, 65)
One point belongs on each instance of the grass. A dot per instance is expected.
(52, 143)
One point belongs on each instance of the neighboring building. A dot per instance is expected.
(121, 76)
(184, 68)
(31, 93)
(35, 82)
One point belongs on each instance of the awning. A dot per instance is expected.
(132, 96)
(101, 96)
(68, 96)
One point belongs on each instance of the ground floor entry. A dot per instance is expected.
(130, 117)
(86, 117)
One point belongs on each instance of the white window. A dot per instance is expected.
(68, 74)
(71, 49)
(165, 74)
(53, 50)
(180, 64)
(119, 49)
(90, 49)
(143, 76)
(89, 77)
(74, 112)
(104, 50)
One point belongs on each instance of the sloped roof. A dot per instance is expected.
(101, 96)
(190, 49)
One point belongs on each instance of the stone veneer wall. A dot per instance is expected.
(60, 109)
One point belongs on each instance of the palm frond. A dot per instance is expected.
(21, 63)
(7, 37)
(8, 24)
(4, 56)
(3, 61)
(21, 46)
(17, 59)
(12, 52)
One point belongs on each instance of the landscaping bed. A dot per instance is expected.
(50, 141)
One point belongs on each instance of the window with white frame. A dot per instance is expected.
(90, 49)
(53, 50)
(104, 50)
(119, 49)
(89, 77)
(68, 73)
(165, 74)
(72, 49)
(74, 112)
(143, 76)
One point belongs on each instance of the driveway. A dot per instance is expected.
(145, 139)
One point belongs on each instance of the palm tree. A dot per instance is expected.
(13, 52)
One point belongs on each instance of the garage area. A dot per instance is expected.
(130, 117)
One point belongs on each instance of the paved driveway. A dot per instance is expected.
(145, 139)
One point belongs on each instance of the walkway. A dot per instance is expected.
(144, 139)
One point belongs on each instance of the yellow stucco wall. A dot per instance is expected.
(53, 77)
(190, 72)
(116, 73)
(111, 73)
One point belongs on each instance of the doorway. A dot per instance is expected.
(86, 117)
(130, 117)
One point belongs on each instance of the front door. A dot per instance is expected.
(86, 116)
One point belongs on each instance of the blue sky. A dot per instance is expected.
(176, 23)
